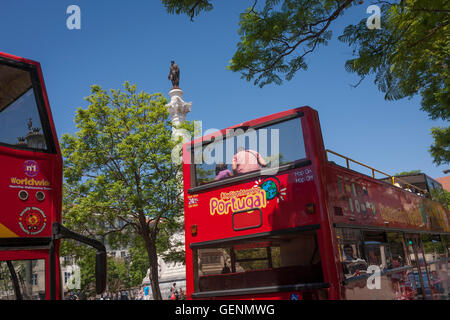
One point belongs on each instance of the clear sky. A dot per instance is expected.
(135, 40)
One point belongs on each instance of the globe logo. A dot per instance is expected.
(271, 188)
(31, 168)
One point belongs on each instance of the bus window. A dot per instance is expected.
(22, 280)
(403, 284)
(270, 261)
(398, 249)
(436, 258)
(376, 249)
(20, 121)
(351, 252)
(270, 147)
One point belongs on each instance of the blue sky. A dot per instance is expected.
(135, 40)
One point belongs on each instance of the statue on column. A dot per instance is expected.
(174, 75)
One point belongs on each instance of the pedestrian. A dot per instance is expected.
(174, 292)
(182, 295)
(147, 293)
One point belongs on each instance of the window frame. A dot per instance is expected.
(235, 179)
(17, 256)
(40, 104)
(253, 290)
(405, 233)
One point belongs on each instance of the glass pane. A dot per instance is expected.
(419, 273)
(403, 282)
(436, 258)
(351, 253)
(397, 249)
(20, 124)
(23, 279)
(269, 261)
(377, 252)
(249, 151)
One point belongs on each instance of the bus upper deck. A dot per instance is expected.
(275, 231)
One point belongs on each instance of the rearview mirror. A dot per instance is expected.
(100, 271)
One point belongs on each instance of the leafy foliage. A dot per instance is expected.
(440, 150)
(275, 36)
(442, 196)
(190, 7)
(408, 56)
(405, 173)
(120, 181)
(138, 262)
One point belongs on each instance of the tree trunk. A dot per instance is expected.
(150, 246)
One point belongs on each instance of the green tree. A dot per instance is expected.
(120, 181)
(442, 196)
(405, 173)
(118, 277)
(139, 262)
(408, 55)
(440, 150)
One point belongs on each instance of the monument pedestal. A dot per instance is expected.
(171, 272)
(178, 109)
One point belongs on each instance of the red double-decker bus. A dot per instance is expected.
(268, 215)
(31, 188)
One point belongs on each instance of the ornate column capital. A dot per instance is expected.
(178, 108)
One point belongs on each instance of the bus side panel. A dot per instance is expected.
(25, 173)
(357, 201)
(360, 200)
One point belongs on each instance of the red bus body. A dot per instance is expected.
(312, 197)
(28, 223)
(31, 184)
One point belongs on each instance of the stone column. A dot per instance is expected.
(174, 272)
(178, 109)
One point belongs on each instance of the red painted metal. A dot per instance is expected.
(323, 190)
(31, 171)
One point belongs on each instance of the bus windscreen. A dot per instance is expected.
(245, 151)
(20, 122)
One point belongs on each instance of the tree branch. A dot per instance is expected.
(289, 49)
(192, 10)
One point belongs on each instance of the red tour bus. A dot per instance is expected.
(269, 216)
(31, 188)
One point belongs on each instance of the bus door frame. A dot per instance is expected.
(417, 247)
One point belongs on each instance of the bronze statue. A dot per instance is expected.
(174, 75)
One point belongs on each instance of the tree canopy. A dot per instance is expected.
(408, 55)
(406, 173)
(119, 179)
(440, 150)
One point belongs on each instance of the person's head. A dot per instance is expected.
(348, 250)
(172, 62)
(221, 167)
(174, 284)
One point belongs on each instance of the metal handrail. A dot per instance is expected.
(347, 159)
